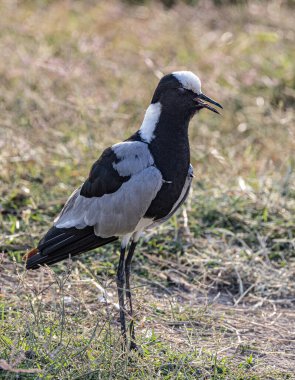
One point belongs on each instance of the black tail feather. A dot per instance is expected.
(60, 243)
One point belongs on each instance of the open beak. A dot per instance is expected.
(199, 100)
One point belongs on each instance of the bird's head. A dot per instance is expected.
(181, 92)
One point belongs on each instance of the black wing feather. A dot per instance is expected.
(103, 178)
(60, 243)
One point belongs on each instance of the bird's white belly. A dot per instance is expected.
(143, 224)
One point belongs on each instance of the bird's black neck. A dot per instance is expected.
(170, 150)
(170, 146)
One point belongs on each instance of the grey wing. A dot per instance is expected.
(118, 212)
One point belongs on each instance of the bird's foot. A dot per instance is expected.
(135, 348)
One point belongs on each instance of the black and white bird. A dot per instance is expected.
(134, 185)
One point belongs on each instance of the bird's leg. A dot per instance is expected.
(120, 288)
(128, 292)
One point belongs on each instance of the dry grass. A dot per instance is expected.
(215, 294)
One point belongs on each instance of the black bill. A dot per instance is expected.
(202, 104)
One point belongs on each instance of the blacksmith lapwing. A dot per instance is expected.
(134, 185)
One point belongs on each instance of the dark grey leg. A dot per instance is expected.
(128, 293)
(120, 288)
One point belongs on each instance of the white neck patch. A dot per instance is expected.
(150, 121)
(189, 81)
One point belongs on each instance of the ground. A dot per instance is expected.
(214, 288)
